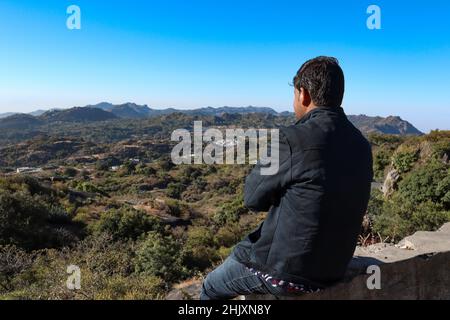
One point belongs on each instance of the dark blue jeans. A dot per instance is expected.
(232, 279)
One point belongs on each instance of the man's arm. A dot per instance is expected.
(261, 191)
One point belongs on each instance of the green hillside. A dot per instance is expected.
(136, 224)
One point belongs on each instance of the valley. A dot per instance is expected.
(77, 188)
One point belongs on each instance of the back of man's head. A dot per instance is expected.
(323, 78)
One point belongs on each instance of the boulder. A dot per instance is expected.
(390, 183)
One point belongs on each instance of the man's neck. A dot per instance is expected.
(307, 111)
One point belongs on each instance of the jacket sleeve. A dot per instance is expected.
(262, 191)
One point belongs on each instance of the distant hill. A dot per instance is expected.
(127, 110)
(210, 111)
(106, 111)
(20, 121)
(389, 125)
(133, 111)
(77, 114)
(38, 113)
(7, 114)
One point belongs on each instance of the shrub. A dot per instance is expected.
(145, 170)
(166, 164)
(134, 287)
(375, 205)
(391, 223)
(400, 218)
(176, 208)
(102, 166)
(160, 256)
(429, 216)
(199, 236)
(70, 172)
(200, 258)
(200, 250)
(230, 212)
(381, 160)
(404, 160)
(13, 261)
(125, 223)
(30, 223)
(229, 235)
(429, 182)
(88, 187)
(174, 190)
(107, 272)
(191, 172)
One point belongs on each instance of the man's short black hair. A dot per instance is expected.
(324, 80)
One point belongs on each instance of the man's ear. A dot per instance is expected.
(305, 97)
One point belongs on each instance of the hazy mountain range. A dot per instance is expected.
(106, 111)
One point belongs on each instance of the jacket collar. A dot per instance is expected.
(320, 110)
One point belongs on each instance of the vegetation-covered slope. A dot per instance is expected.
(113, 204)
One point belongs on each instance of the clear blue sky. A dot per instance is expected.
(213, 53)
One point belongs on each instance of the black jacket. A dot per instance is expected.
(317, 201)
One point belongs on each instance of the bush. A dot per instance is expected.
(13, 261)
(89, 188)
(200, 258)
(381, 160)
(134, 287)
(403, 161)
(189, 173)
(229, 235)
(125, 223)
(400, 218)
(28, 222)
(128, 168)
(166, 164)
(230, 212)
(430, 182)
(174, 190)
(160, 256)
(199, 236)
(176, 208)
(102, 166)
(107, 272)
(70, 172)
(429, 216)
(145, 170)
(200, 250)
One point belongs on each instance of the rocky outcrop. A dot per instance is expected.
(389, 125)
(418, 267)
(390, 183)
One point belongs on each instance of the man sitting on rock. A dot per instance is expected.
(316, 201)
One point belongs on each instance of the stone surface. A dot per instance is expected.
(188, 290)
(390, 183)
